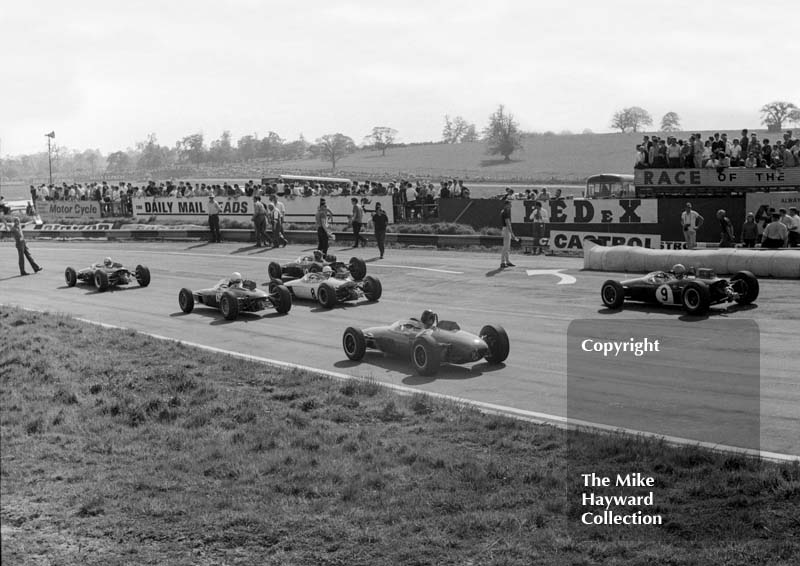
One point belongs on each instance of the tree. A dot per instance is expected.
(118, 162)
(774, 114)
(247, 147)
(191, 149)
(458, 130)
(221, 150)
(381, 138)
(631, 118)
(671, 122)
(502, 134)
(334, 146)
(153, 155)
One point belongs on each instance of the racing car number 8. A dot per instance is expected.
(664, 294)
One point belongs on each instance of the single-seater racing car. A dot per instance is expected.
(429, 342)
(694, 289)
(356, 267)
(233, 295)
(329, 287)
(108, 273)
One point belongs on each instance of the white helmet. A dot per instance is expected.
(327, 269)
(236, 277)
(108, 262)
(679, 269)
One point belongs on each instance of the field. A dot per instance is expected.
(122, 449)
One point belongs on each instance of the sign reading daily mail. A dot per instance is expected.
(573, 241)
(51, 210)
(299, 209)
(593, 211)
(732, 177)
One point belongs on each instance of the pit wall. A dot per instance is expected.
(783, 263)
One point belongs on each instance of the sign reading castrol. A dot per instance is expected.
(573, 241)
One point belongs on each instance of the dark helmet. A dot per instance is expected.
(318, 255)
(428, 317)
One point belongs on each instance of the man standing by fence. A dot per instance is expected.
(214, 209)
(22, 247)
(260, 222)
(379, 222)
(357, 220)
(690, 222)
(278, 235)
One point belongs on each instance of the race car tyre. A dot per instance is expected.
(229, 306)
(71, 276)
(281, 298)
(746, 285)
(186, 300)
(326, 294)
(354, 344)
(696, 297)
(274, 270)
(315, 268)
(613, 294)
(100, 280)
(142, 275)
(358, 268)
(372, 288)
(496, 338)
(425, 355)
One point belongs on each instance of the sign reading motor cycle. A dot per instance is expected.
(596, 211)
(573, 241)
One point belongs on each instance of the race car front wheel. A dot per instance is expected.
(281, 298)
(372, 288)
(142, 275)
(70, 276)
(496, 338)
(100, 280)
(358, 268)
(186, 300)
(613, 294)
(354, 344)
(326, 294)
(696, 298)
(229, 306)
(746, 285)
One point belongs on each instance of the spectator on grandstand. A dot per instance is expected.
(708, 153)
(673, 153)
(544, 196)
(641, 158)
(661, 155)
(766, 153)
(752, 161)
(790, 158)
(749, 231)
(687, 153)
(745, 143)
(699, 148)
(775, 235)
(788, 140)
(736, 153)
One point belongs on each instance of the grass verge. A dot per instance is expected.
(122, 449)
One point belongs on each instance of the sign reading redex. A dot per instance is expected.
(573, 241)
(595, 211)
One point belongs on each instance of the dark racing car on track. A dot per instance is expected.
(233, 295)
(313, 263)
(428, 342)
(329, 288)
(107, 274)
(694, 290)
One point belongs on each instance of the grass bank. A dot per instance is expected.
(122, 449)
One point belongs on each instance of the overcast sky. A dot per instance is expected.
(104, 74)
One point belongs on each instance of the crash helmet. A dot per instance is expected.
(108, 262)
(428, 317)
(330, 257)
(327, 269)
(679, 270)
(318, 255)
(236, 277)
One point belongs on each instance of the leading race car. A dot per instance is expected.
(313, 263)
(107, 274)
(330, 288)
(429, 342)
(695, 290)
(233, 295)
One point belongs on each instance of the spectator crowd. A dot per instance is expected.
(718, 152)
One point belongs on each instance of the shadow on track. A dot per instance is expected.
(201, 245)
(402, 366)
(685, 317)
(210, 312)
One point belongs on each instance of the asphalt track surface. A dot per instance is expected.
(466, 287)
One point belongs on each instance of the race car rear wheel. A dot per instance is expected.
(613, 294)
(100, 280)
(496, 338)
(696, 297)
(354, 343)
(229, 306)
(425, 355)
(358, 268)
(70, 276)
(186, 300)
(746, 284)
(142, 275)
(372, 288)
(326, 294)
(274, 270)
(281, 298)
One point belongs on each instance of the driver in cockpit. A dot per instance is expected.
(679, 270)
(428, 318)
(235, 280)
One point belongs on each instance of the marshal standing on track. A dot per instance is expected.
(22, 247)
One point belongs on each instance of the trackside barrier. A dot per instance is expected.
(783, 263)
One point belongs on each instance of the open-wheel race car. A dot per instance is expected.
(108, 273)
(693, 289)
(330, 288)
(428, 342)
(313, 263)
(234, 294)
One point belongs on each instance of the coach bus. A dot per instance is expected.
(284, 180)
(610, 185)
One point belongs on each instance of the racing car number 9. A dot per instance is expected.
(664, 295)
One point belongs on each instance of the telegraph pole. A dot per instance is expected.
(50, 136)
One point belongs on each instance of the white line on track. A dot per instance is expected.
(489, 408)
